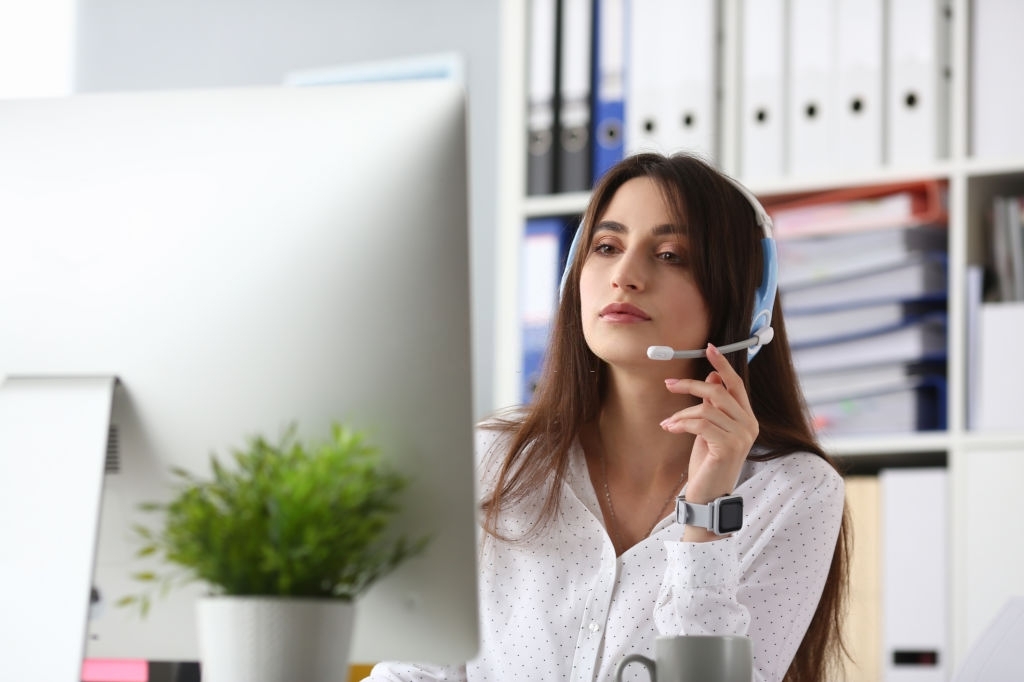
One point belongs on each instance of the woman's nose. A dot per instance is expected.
(629, 273)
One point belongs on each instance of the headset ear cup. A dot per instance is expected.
(764, 299)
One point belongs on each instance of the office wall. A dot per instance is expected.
(157, 44)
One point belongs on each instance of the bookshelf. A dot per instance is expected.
(969, 456)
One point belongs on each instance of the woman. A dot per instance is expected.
(583, 560)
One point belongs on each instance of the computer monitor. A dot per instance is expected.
(240, 260)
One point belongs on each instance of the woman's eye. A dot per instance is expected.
(670, 257)
(604, 248)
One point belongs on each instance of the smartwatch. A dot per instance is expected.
(721, 516)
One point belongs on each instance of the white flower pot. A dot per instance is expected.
(271, 639)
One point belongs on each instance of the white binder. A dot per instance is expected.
(918, 99)
(859, 104)
(671, 102)
(690, 30)
(812, 115)
(991, 561)
(1000, 366)
(998, 100)
(763, 36)
(914, 574)
(646, 56)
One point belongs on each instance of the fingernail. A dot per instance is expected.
(712, 350)
(671, 382)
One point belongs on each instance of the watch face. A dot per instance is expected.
(730, 515)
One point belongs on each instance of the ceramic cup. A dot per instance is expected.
(696, 658)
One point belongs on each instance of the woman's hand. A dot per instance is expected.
(724, 426)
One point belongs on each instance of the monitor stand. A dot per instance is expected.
(53, 440)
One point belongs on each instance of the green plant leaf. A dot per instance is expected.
(285, 519)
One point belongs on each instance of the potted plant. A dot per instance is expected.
(287, 536)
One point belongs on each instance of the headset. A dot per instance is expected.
(761, 332)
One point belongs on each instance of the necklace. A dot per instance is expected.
(614, 525)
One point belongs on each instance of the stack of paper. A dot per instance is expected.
(915, 403)
(920, 276)
(826, 256)
(864, 287)
(854, 209)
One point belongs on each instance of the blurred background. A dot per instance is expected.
(59, 47)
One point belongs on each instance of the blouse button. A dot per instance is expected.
(594, 626)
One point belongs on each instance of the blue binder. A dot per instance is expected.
(609, 85)
(543, 254)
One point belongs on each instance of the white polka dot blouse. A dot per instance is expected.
(562, 606)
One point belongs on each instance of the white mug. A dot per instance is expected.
(696, 658)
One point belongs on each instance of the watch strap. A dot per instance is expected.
(691, 514)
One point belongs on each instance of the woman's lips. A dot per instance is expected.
(623, 312)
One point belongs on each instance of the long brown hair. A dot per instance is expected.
(725, 255)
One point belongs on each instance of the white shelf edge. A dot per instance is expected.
(921, 442)
(573, 203)
(576, 202)
(887, 444)
(878, 176)
(992, 440)
(983, 167)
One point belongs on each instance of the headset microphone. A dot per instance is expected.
(761, 337)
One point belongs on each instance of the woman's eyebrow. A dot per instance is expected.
(657, 230)
(610, 226)
(666, 229)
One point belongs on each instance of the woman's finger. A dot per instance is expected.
(712, 390)
(730, 379)
(684, 420)
(719, 439)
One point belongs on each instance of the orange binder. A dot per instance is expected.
(852, 209)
